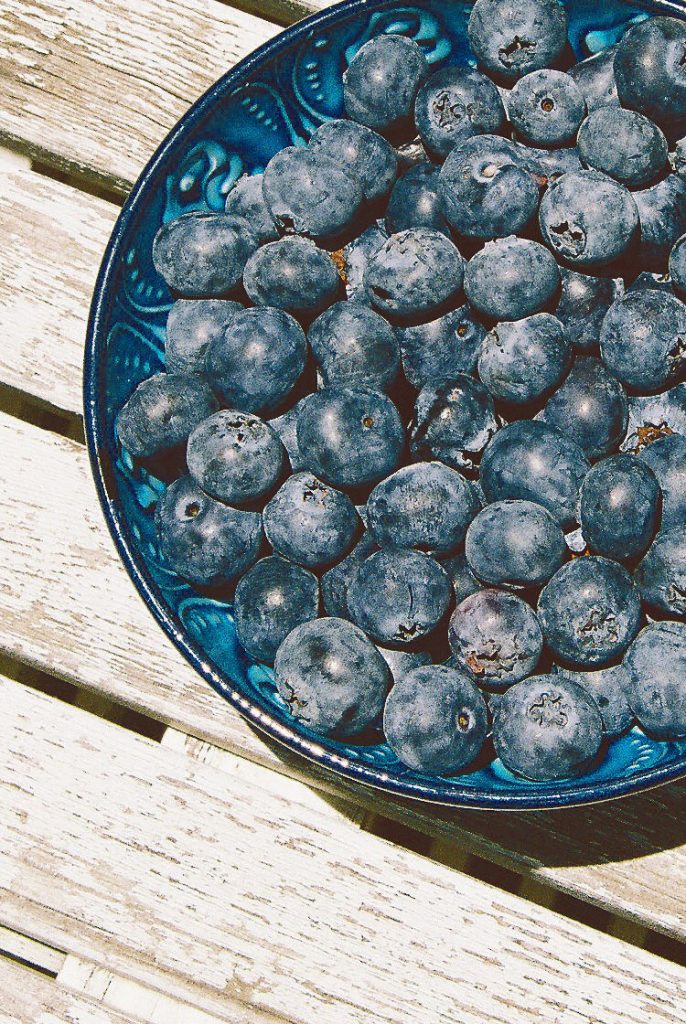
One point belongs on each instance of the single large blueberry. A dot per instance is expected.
(246, 200)
(201, 255)
(650, 69)
(523, 360)
(511, 278)
(485, 191)
(162, 412)
(335, 581)
(435, 720)
(365, 154)
(356, 256)
(619, 507)
(495, 638)
(547, 165)
(656, 662)
(662, 214)
(584, 301)
(398, 596)
(595, 77)
(610, 688)
(414, 272)
(535, 462)
(588, 218)
(454, 420)
(382, 81)
(286, 426)
(626, 145)
(546, 728)
(272, 599)
(354, 345)
(590, 611)
(402, 662)
(643, 340)
(350, 437)
(258, 360)
(415, 202)
(652, 417)
(310, 194)
(677, 266)
(667, 459)
(590, 407)
(546, 108)
(293, 274)
(461, 576)
(331, 677)
(235, 456)
(661, 576)
(512, 37)
(425, 505)
(515, 544)
(192, 325)
(204, 541)
(443, 347)
(310, 523)
(456, 104)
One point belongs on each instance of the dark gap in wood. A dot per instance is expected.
(94, 703)
(585, 913)
(493, 874)
(400, 835)
(88, 178)
(45, 971)
(668, 949)
(281, 12)
(78, 181)
(30, 409)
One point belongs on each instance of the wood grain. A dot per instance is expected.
(68, 607)
(261, 898)
(30, 998)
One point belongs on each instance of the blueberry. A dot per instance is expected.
(661, 576)
(354, 345)
(588, 219)
(495, 638)
(546, 728)
(595, 77)
(293, 274)
(546, 108)
(648, 279)
(590, 407)
(443, 347)
(454, 420)
(398, 596)
(534, 462)
(310, 523)
(626, 145)
(415, 202)
(662, 213)
(643, 340)
(356, 256)
(679, 157)
(547, 165)
(310, 194)
(521, 361)
(246, 199)
(610, 689)
(515, 544)
(455, 104)
(677, 266)
(271, 600)
(619, 507)
(590, 611)
(202, 255)
(331, 677)
(191, 325)
(382, 81)
(667, 459)
(652, 417)
(584, 301)
(435, 720)
(650, 70)
(255, 365)
(485, 191)
(415, 272)
(204, 541)
(335, 581)
(365, 154)
(461, 576)
(656, 662)
(350, 437)
(162, 412)
(511, 278)
(235, 457)
(286, 426)
(425, 505)
(512, 37)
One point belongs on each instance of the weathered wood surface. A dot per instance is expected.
(68, 607)
(30, 998)
(264, 900)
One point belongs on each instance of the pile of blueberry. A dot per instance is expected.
(424, 412)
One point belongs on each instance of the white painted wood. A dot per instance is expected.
(261, 895)
(30, 998)
(25, 948)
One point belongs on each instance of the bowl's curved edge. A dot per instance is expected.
(453, 794)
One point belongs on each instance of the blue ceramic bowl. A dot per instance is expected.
(276, 98)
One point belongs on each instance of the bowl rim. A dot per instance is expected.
(446, 792)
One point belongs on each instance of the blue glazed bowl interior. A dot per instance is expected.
(276, 98)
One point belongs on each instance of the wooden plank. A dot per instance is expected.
(53, 240)
(23, 947)
(68, 607)
(259, 896)
(27, 997)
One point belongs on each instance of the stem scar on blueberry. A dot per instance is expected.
(547, 104)
(367, 422)
(462, 330)
(193, 510)
(463, 721)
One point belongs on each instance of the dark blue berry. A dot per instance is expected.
(661, 576)
(547, 165)
(667, 459)
(662, 213)
(354, 345)
(272, 599)
(461, 576)
(610, 689)
(546, 108)
(619, 507)
(162, 412)
(415, 202)
(364, 153)
(588, 219)
(511, 278)
(495, 638)
(246, 199)
(656, 662)
(293, 274)
(590, 407)
(624, 144)
(310, 523)
(515, 544)
(235, 457)
(595, 77)
(286, 426)
(443, 347)
(650, 69)
(652, 417)
(455, 104)
(335, 582)
(402, 662)
(415, 272)
(584, 301)
(382, 81)
(523, 360)
(677, 266)
(643, 340)
(512, 37)
(310, 194)
(202, 255)
(454, 420)
(192, 325)
(356, 256)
